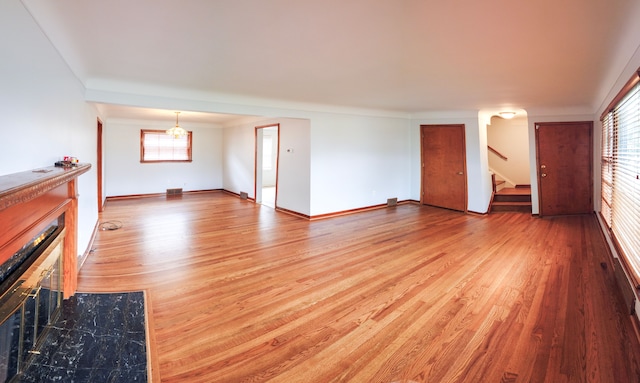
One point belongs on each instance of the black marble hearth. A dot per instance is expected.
(97, 338)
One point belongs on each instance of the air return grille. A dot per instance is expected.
(176, 192)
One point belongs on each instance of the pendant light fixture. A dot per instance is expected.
(507, 115)
(177, 131)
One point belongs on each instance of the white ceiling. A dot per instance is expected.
(398, 55)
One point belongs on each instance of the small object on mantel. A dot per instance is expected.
(66, 164)
(42, 170)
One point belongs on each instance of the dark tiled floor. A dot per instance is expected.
(97, 338)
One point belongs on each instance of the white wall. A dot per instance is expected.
(358, 161)
(238, 150)
(293, 163)
(329, 163)
(44, 115)
(510, 138)
(294, 178)
(126, 175)
(478, 177)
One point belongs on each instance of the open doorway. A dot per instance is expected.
(267, 144)
(509, 162)
(508, 146)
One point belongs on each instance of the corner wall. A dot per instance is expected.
(328, 162)
(293, 161)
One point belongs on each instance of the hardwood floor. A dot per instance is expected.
(241, 293)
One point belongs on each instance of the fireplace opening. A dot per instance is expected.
(30, 297)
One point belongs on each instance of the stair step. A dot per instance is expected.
(524, 207)
(511, 203)
(514, 191)
(512, 198)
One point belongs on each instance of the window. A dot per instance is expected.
(621, 174)
(158, 146)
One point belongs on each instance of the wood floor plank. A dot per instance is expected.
(241, 293)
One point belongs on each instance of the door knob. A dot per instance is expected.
(543, 175)
(543, 166)
(460, 173)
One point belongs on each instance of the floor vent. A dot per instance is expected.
(392, 202)
(175, 192)
(625, 287)
(244, 195)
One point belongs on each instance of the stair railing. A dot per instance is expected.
(493, 182)
(497, 153)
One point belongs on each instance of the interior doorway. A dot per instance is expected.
(509, 161)
(508, 151)
(266, 177)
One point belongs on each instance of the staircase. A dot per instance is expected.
(499, 184)
(516, 199)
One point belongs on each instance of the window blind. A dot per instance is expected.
(607, 168)
(158, 146)
(621, 176)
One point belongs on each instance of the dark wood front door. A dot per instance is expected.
(564, 160)
(444, 171)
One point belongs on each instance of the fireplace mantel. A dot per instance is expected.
(24, 186)
(29, 201)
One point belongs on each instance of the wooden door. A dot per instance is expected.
(564, 160)
(444, 171)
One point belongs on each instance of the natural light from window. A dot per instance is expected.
(158, 146)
